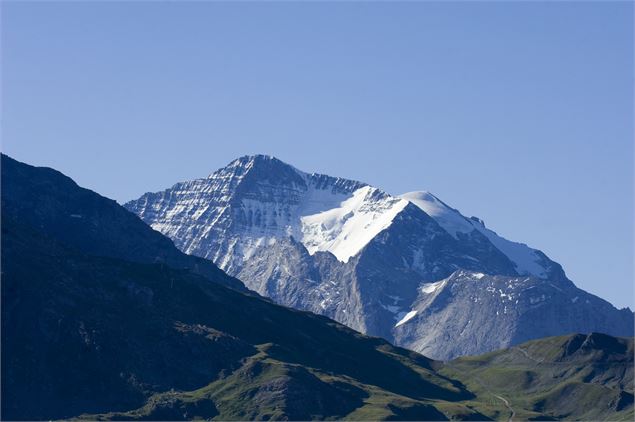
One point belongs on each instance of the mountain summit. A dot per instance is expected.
(408, 268)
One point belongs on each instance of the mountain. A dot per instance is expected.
(408, 268)
(90, 333)
(94, 325)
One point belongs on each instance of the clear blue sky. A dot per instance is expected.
(519, 113)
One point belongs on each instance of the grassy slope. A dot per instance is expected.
(306, 393)
(567, 377)
(541, 380)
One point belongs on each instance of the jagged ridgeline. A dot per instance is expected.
(407, 268)
(103, 318)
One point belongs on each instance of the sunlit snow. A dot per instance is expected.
(432, 287)
(345, 230)
(407, 318)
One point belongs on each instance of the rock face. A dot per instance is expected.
(410, 269)
(468, 309)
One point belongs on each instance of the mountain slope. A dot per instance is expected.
(50, 201)
(84, 333)
(574, 377)
(449, 314)
(363, 257)
(527, 261)
(102, 337)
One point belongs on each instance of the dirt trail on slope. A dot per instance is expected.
(507, 405)
(527, 355)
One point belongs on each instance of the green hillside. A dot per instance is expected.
(580, 377)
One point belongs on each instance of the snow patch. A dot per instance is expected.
(526, 260)
(346, 229)
(432, 287)
(406, 318)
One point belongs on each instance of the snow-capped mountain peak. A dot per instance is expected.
(324, 213)
(448, 218)
(371, 260)
(247, 162)
(260, 197)
(527, 261)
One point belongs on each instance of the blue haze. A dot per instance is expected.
(519, 113)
